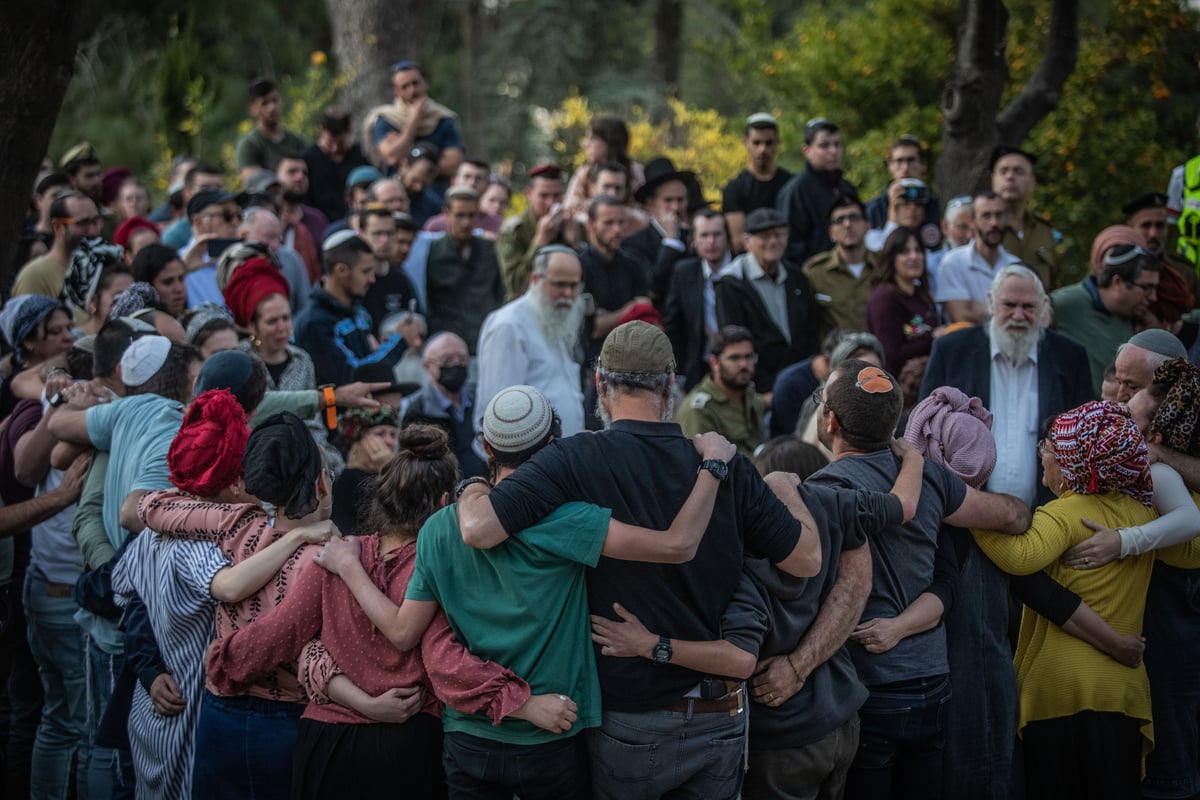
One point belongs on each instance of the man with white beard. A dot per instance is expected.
(1022, 371)
(534, 340)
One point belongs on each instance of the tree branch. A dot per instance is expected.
(1041, 94)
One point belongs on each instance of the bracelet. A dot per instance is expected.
(330, 405)
(55, 370)
(795, 671)
(464, 483)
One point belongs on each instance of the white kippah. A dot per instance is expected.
(516, 419)
(143, 359)
(338, 239)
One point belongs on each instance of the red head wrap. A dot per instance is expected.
(129, 227)
(206, 455)
(253, 281)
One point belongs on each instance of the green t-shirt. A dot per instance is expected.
(522, 604)
(256, 149)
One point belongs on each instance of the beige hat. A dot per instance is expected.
(637, 347)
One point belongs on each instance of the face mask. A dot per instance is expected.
(452, 378)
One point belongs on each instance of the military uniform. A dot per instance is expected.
(841, 298)
(707, 408)
(515, 249)
(1037, 247)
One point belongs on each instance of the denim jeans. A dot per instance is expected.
(900, 749)
(57, 644)
(244, 748)
(648, 754)
(110, 772)
(483, 769)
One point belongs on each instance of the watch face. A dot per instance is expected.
(662, 652)
(718, 468)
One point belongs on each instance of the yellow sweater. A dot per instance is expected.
(1058, 674)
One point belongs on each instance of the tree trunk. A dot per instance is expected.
(472, 49)
(368, 37)
(668, 45)
(973, 123)
(35, 67)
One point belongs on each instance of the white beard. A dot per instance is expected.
(1017, 344)
(559, 324)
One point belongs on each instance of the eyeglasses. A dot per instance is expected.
(843, 219)
(227, 215)
(1045, 446)
(745, 358)
(562, 286)
(85, 222)
(818, 397)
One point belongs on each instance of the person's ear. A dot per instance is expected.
(487, 448)
(444, 500)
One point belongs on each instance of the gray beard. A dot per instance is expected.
(559, 324)
(1017, 346)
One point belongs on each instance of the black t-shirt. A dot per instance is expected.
(644, 471)
(832, 692)
(390, 294)
(276, 370)
(327, 180)
(745, 192)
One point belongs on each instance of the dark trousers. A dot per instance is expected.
(368, 761)
(901, 742)
(21, 699)
(482, 769)
(1091, 755)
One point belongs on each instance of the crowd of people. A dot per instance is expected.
(326, 478)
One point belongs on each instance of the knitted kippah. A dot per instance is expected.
(516, 419)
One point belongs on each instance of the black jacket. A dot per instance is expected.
(683, 318)
(646, 248)
(805, 201)
(738, 303)
(964, 360)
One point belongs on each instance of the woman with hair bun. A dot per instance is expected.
(340, 752)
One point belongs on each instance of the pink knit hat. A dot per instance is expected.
(954, 430)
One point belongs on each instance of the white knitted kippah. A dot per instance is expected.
(516, 419)
(143, 359)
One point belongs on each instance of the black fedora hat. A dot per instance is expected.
(658, 171)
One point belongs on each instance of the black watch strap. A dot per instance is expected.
(465, 482)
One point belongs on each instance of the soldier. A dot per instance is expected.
(725, 401)
(1030, 237)
(841, 277)
(545, 221)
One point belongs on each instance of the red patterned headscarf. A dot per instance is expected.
(1099, 449)
(206, 455)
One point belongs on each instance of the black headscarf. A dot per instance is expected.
(282, 464)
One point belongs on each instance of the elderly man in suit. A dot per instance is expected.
(1022, 371)
(760, 291)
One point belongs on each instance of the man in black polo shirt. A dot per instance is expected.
(661, 730)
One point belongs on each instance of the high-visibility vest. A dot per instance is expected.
(1189, 215)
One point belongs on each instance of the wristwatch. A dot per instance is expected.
(661, 654)
(56, 400)
(716, 466)
(465, 482)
